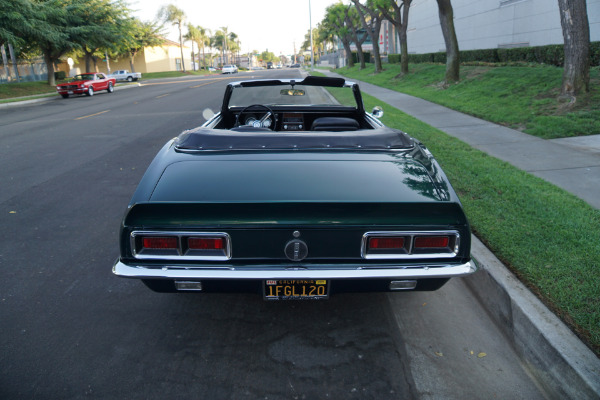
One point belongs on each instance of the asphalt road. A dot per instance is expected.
(69, 329)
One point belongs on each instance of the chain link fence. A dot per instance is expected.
(23, 72)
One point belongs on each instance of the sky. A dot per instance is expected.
(272, 25)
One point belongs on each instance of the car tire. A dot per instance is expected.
(110, 88)
(65, 95)
(90, 91)
(129, 79)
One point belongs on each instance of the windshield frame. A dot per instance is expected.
(308, 81)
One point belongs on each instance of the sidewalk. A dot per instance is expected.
(572, 163)
(561, 363)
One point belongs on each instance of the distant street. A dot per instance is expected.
(69, 329)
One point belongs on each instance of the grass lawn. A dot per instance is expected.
(520, 97)
(545, 235)
(10, 90)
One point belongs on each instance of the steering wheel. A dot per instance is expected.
(258, 123)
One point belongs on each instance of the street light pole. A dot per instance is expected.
(312, 53)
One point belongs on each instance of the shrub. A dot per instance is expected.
(60, 75)
(551, 55)
(394, 58)
(366, 54)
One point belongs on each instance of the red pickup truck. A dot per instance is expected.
(87, 83)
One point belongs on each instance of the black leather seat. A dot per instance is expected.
(334, 124)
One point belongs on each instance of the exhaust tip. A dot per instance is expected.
(188, 286)
(403, 285)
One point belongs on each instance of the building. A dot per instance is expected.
(488, 24)
(150, 59)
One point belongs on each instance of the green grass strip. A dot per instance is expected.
(521, 97)
(548, 237)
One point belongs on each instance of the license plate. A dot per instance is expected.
(70, 92)
(296, 289)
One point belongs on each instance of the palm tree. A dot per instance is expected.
(219, 42)
(198, 35)
(224, 38)
(204, 40)
(193, 34)
(175, 16)
(233, 43)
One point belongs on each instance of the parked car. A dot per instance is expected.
(292, 194)
(124, 75)
(87, 83)
(229, 69)
(297, 65)
(270, 65)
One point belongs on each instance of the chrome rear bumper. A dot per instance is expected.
(178, 272)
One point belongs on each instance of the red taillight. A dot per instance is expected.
(386, 243)
(206, 243)
(160, 243)
(431, 242)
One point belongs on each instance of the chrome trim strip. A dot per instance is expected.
(400, 272)
(226, 253)
(410, 255)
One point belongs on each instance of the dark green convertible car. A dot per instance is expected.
(293, 191)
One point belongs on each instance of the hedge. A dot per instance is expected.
(394, 58)
(366, 54)
(551, 54)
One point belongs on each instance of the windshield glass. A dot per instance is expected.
(300, 95)
(86, 77)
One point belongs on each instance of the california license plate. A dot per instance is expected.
(296, 289)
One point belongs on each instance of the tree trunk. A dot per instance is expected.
(361, 55)
(576, 33)
(452, 53)
(15, 62)
(50, 67)
(358, 43)
(87, 56)
(373, 28)
(5, 62)
(349, 57)
(403, 39)
(131, 57)
(400, 21)
(181, 48)
(375, 39)
(193, 59)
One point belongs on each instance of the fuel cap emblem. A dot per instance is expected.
(296, 250)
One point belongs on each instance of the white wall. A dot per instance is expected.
(484, 24)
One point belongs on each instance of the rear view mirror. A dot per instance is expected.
(292, 92)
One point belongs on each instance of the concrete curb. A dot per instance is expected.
(565, 367)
